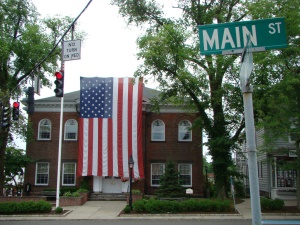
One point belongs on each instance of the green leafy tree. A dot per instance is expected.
(26, 41)
(206, 84)
(277, 80)
(209, 84)
(15, 162)
(170, 185)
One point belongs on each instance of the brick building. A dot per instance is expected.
(166, 135)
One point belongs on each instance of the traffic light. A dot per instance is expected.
(5, 117)
(29, 100)
(15, 114)
(59, 84)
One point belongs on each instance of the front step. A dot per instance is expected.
(107, 197)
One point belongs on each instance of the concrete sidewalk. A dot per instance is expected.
(95, 210)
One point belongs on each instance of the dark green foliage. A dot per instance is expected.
(24, 207)
(269, 204)
(59, 210)
(67, 189)
(191, 205)
(127, 209)
(239, 189)
(169, 182)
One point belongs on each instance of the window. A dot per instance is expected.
(184, 131)
(71, 130)
(157, 169)
(185, 174)
(158, 130)
(42, 173)
(44, 130)
(69, 177)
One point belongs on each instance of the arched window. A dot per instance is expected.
(71, 129)
(44, 130)
(158, 130)
(184, 131)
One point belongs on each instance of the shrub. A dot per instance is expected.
(191, 205)
(71, 194)
(269, 204)
(82, 190)
(24, 207)
(67, 189)
(127, 209)
(59, 210)
(135, 191)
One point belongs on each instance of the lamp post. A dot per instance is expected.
(130, 163)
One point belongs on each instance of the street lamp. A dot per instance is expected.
(130, 163)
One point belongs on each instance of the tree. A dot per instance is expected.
(15, 161)
(207, 84)
(26, 41)
(277, 78)
(170, 52)
(170, 183)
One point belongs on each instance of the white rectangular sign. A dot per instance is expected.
(71, 50)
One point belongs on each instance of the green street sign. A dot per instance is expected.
(231, 38)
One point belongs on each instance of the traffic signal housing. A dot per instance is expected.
(59, 84)
(5, 117)
(16, 111)
(29, 100)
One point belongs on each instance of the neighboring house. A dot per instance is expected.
(276, 169)
(166, 135)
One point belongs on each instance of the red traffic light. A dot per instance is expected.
(59, 75)
(16, 104)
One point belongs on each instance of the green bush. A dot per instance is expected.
(67, 189)
(71, 194)
(269, 204)
(82, 190)
(59, 210)
(191, 205)
(24, 207)
(127, 209)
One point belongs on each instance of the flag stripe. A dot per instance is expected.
(100, 140)
(110, 127)
(95, 147)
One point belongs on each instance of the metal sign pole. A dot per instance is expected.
(252, 157)
(60, 141)
(245, 72)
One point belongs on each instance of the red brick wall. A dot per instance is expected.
(179, 152)
(171, 148)
(47, 151)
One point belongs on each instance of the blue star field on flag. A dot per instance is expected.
(96, 96)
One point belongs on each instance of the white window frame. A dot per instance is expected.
(159, 130)
(184, 130)
(67, 128)
(153, 174)
(36, 173)
(40, 130)
(63, 174)
(189, 174)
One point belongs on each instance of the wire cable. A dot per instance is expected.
(37, 66)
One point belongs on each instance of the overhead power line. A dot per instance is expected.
(45, 58)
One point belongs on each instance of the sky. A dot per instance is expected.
(108, 50)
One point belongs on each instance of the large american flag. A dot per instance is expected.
(110, 126)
